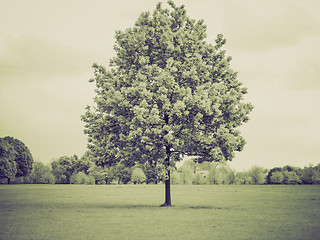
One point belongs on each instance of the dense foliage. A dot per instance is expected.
(15, 158)
(190, 172)
(168, 93)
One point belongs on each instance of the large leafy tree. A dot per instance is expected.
(15, 158)
(168, 93)
(8, 166)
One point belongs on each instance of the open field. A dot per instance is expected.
(132, 212)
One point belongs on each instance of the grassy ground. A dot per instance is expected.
(132, 212)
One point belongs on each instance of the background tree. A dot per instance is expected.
(98, 173)
(122, 173)
(8, 168)
(186, 175)
(175, 178)
(138, 176)
(219, 173)
(198, 179)
(81, 178)
(168, 94)
(257, 175)
(275, 169)
(290, 177)
(277, 177)
(316, 175)
(151, 172)
(242, 178)
(83, 164)
(41, 174)
(63, 168)
(311, 175)
(15, 158)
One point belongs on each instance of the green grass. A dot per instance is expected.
(133, 212)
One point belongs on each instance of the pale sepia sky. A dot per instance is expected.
(47, 49)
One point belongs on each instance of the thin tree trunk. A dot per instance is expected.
(167, 198)
(167, 191)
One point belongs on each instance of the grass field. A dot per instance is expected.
(132, 212)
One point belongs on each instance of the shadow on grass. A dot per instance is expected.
(146, 206)
(126, 206)
(87, 205)
(204, 207)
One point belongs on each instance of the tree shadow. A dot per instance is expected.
(126, 206)
(101, 205)
(146, 206)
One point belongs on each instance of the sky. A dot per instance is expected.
(47, 49)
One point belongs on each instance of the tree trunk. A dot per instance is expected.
(167, 202)
(167, 198)
(9, 180)
(167, 191)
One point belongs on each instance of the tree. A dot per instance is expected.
(316, 174)
(257, 175)
(175, 178)
(15, 158)
(98, 173)
(8, 168)
(138, 176)
(311, 175)
(242, 178)
(219, 173)
(198, 179)
(290, 177)
(186, 175)
(41, 174)
(83, 164)
(63, 168)
(122, 172)
(81, 178)
(167, 94)
(277, 177)
(151, 173)
(276, 169)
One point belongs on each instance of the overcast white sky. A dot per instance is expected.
(47, 49)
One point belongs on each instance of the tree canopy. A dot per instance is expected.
(63, 168)
(15, 158)
(167, 94)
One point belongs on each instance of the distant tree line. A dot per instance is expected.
(17, 166)
(75, 170)
(220, 173)
(83, 170)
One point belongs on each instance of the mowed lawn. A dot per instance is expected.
(133, 212)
